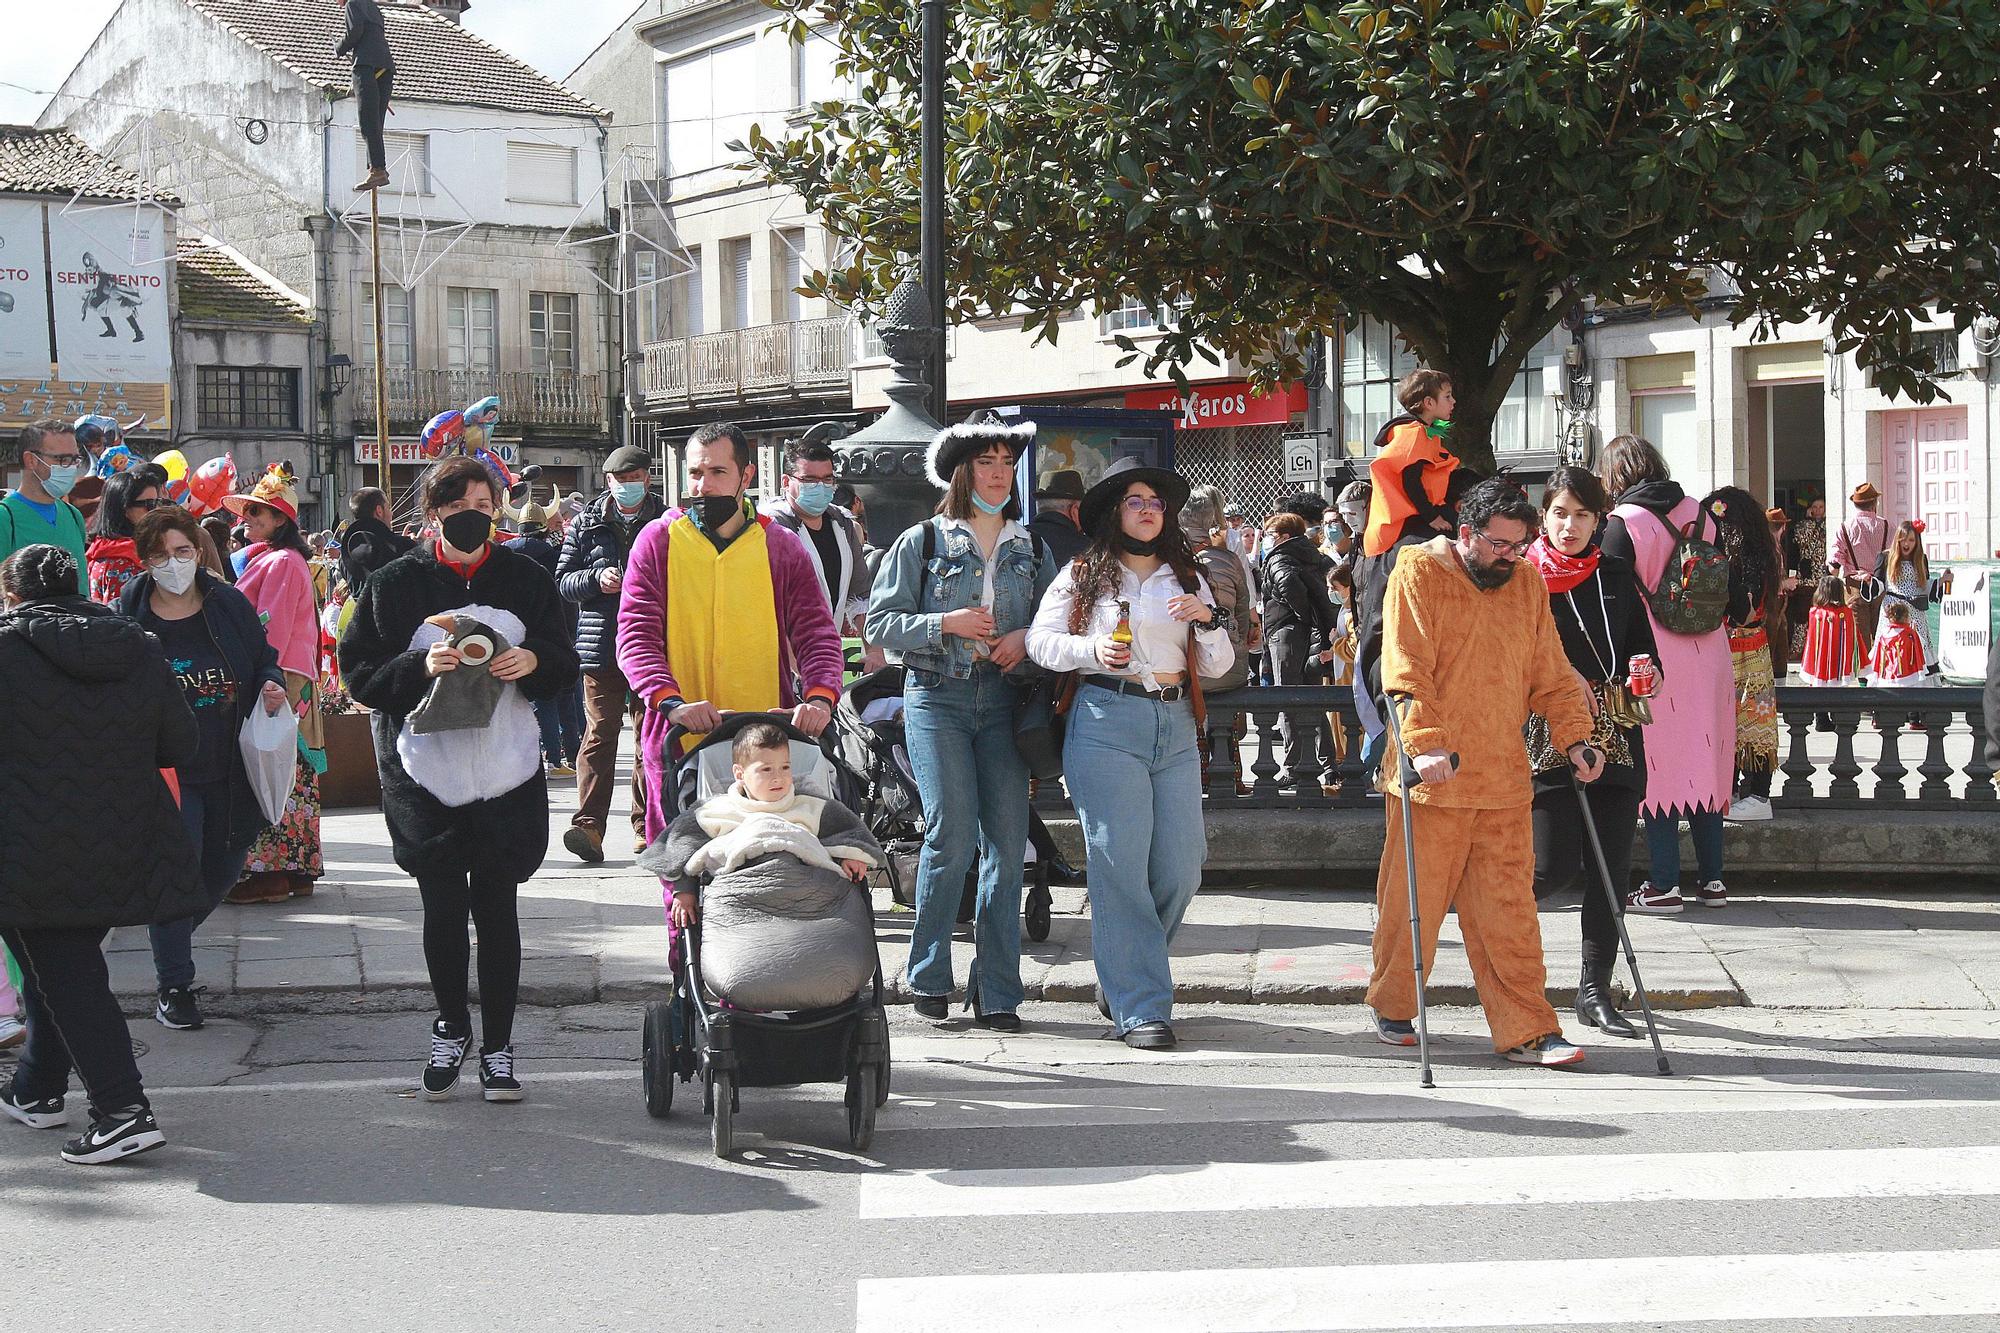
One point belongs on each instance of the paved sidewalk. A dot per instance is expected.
(594, 933)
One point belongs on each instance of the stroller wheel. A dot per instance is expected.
(722, 1121)
(659, 1059)
(882, 1082)
(1040, 903)
(861, 1104)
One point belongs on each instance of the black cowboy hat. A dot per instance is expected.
(969, 439)
(1171, 486)
(1064, 485)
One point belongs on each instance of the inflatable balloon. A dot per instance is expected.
(176, 464)
(111, 461)
(209, 483)
(95, 432)
(497, 468)
(480, 419)
(178, 493)
(445, 433)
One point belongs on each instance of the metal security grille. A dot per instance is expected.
(1246, 462)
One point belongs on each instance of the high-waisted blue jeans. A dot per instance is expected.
(1134, 770)
(974, 784)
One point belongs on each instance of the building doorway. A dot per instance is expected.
(1787, 437)
(1929, 474)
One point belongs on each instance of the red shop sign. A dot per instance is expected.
(1231, 403)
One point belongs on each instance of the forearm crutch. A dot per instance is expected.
(1407, 769)
(1618, 915)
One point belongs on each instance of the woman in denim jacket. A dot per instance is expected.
(954, 596)
(1133, 765)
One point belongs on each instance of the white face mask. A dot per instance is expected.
(175, 575)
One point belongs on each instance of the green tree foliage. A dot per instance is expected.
(1466, 172)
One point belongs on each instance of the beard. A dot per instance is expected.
(1488, 577)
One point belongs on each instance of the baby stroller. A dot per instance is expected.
(867, 734)
(696, 1034)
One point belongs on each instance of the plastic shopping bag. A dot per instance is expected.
(270, 746)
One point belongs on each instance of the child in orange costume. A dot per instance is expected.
(1469, 642)
(1411, 474)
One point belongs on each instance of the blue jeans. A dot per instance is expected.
(205, 815)
(974, 785)
(1663, 847)
(561, 720)
(1134, 772)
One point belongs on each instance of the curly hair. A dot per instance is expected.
(1744, 536)
(1098, 570)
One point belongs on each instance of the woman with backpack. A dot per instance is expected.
(1670, 541)
(1136, 621)
(954, 596)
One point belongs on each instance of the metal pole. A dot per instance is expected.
(381, 364)
(931, 225)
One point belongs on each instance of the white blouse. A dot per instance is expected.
(1159, 642)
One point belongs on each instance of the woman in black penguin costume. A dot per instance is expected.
(468, 806)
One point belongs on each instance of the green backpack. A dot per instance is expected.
(1692, 594)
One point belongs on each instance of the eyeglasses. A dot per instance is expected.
(1505, 548)
(1145, 504)
(56, 460)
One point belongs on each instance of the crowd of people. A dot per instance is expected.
(499, 642)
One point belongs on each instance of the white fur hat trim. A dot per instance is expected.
(979, 437)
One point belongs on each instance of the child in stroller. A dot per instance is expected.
(868, 738)
(777, 980)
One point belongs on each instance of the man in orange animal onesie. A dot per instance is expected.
(1470, 649)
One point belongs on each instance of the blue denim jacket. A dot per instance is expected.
(906, 610)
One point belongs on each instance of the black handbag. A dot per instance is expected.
(1040, 722)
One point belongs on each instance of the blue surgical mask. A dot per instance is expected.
(61, 481)
(981, 501)
(814, 497)
(628, 494)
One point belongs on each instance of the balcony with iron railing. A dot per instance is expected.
(533, 398)
(807, 358)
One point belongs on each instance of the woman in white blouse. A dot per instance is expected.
(1131, 759)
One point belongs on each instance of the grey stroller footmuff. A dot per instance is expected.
(465, 699)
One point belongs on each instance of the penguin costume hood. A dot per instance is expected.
(464, 699)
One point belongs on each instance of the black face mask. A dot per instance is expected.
(1133, 546)
(712, 511)
(467, 530)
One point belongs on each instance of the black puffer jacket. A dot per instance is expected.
(598, 541)
(89, 834)
(239, 635)
(1295, 591)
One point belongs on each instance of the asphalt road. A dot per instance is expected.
(1830, 1171)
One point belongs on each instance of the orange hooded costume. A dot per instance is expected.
(1410, 477)
(1473, 663)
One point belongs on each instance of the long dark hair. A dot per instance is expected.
(110, 520)
(1744, 535)
(1098, 569)
(286, 536)
(37, 573)
(1630, 461)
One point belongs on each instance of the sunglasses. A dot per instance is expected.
(148, 506)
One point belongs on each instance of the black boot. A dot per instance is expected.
(109, 332)
(1594, 1006)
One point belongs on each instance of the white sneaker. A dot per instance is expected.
(12, 1032)
(1749, 810)
(1648, 901)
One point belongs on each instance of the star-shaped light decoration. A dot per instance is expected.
(645, 226)
(412, 241)
(152, 149)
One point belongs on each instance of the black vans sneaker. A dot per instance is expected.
(178, 1008)
(449, 1048)
(496, 1075)
(117, 1136)
(48, 1113)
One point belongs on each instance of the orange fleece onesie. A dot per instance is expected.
(1473, 664)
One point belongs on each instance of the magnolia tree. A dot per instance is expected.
(1467, 173)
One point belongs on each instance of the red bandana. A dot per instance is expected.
(1562, 572)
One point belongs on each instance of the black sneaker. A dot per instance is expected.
(48, 1113)
(449, 1050)
(496, 1076)
(117, 1136)
(178, 1008)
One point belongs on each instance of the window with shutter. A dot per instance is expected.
(736, 283)
(552, 332)
(409, 157)
(541, 173)
(790, 262)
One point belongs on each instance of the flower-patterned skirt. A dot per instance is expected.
(291, 846)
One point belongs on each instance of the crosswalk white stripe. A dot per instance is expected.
(1237, 1187)
(1540, 1294)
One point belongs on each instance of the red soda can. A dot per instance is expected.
(1642, 677)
